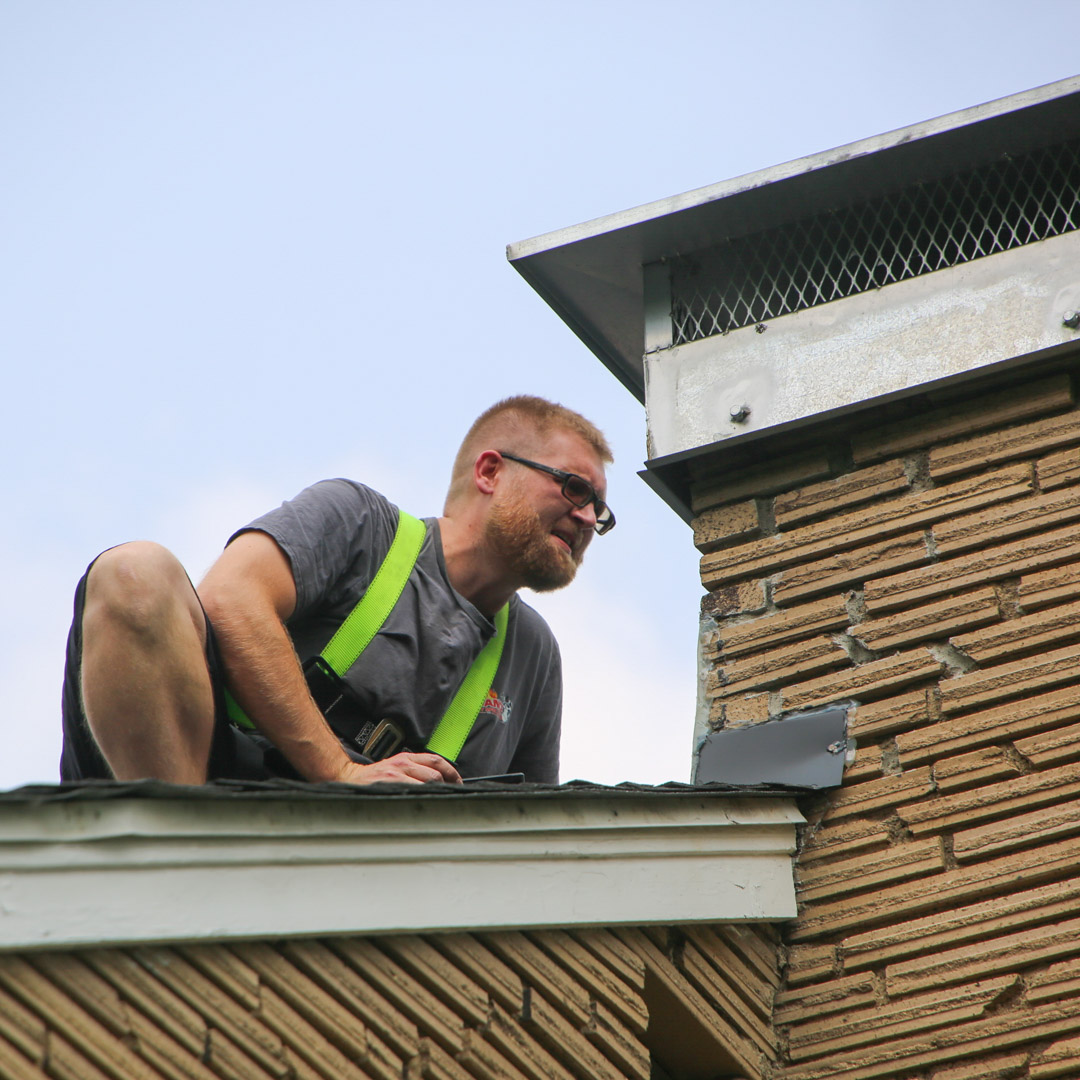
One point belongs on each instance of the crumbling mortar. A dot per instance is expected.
(709, 650)
(955, 660)
(740, 619)
(767, 516)
(776, 704)
(1014, 757)
(933, 703)
(416, 1067)
(768, 585)
(856, 650)
(1007, 593)
(1008, 998)
(890, 758)
(948, 855)
(881, 992)
(899, 832)
(783, 955)
(917, 471)
(1034, 475)
(805, 833)
(931, 544)
(855, 603)
(783, 1052)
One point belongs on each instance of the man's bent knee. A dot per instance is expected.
(146, 689)
(141, 588)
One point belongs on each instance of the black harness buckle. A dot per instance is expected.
(325, 685)
(332, 695)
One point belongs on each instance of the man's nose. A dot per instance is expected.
(586, 515)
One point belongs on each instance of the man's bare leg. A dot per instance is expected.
(145, 685)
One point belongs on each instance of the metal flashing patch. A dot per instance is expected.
(806, 750)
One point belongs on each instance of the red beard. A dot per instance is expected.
(516, 535)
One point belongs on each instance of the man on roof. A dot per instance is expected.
(186, 685)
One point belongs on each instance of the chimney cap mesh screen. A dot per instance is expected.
(893, 237)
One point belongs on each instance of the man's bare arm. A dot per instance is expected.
(248, 594)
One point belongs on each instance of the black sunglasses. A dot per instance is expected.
(576, 489)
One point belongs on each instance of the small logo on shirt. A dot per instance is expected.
(496, 706)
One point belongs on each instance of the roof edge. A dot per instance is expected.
(126, 871)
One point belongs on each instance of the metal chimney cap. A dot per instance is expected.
(591, 274)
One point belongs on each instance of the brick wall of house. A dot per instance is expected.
(550, 1005)
(926, 569)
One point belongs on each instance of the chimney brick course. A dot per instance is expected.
(930, 583)
(950, 422)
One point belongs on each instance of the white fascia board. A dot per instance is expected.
(127, 871)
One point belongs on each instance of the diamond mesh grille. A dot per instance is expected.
(838, 253)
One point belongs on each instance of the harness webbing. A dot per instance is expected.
(365, 620)
(453, 729)
(362, 623)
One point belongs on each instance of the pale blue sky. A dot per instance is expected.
(246, 245)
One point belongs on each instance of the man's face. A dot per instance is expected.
(532, 526)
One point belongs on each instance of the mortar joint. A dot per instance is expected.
(857, 652)
(931, 543)
(1023, 764)
(767, 516)
(890, 758)
(956, 661)
(776, 704)
(1007, 593)
(855, 602)
(917, 470)
(948, 854)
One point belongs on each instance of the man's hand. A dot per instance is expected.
(404, 768)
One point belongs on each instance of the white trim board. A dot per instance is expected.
(121, 871)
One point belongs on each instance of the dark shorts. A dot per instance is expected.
(234, 754)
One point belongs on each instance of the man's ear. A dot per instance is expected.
(486, 470)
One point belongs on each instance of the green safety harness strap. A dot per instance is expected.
(453, 729)
(362, 623)
(365, 620)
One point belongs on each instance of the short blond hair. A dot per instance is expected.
(517, 424)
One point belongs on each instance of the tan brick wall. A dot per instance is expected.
(932, 578)
(550, 1005)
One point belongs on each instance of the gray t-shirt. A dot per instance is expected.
(336, 535)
